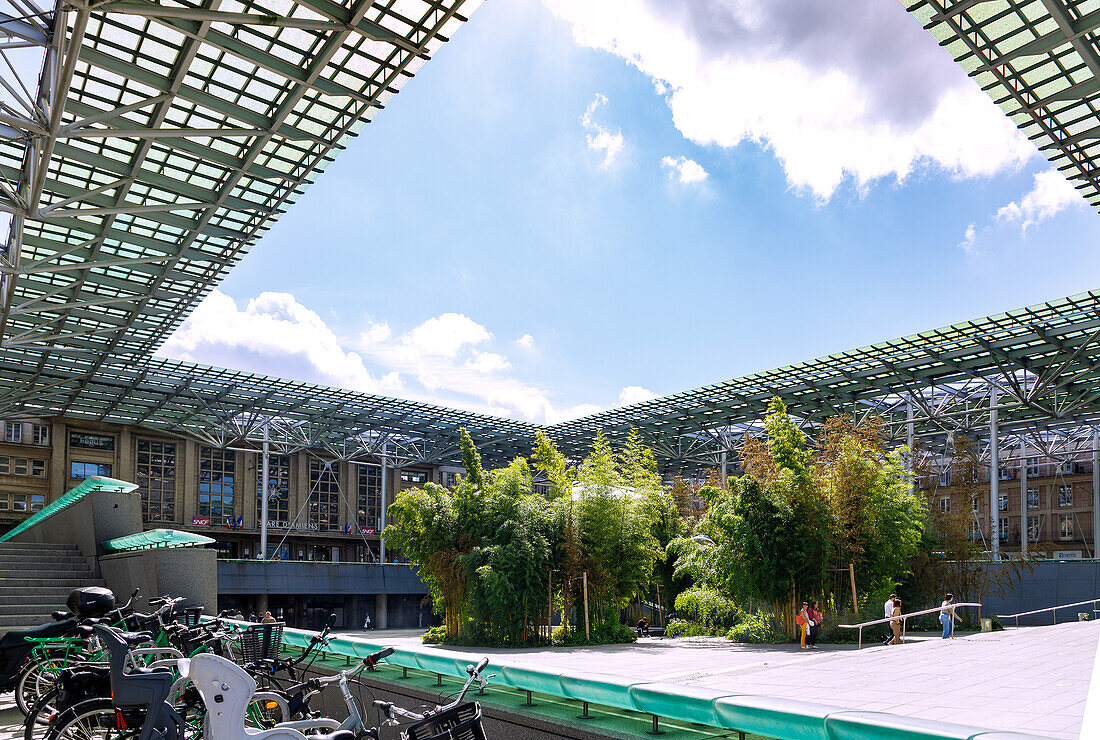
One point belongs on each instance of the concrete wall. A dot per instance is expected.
(189, 572)
(1049, 584)
(307, 577)
(99, 516)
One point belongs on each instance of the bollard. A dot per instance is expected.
(528, 703)
(439, 679)
(656, 730)
(404, 672)
(585, 714)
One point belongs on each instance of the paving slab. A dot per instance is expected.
(1034, 678)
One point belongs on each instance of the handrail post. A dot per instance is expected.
(859, 645)
(904, 621)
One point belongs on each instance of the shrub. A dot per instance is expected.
(756, 628)
(435, 636)
(708, 607)
(684, 628)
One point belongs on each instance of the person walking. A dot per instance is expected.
(366, 622)
(947, 616)
(895, 624)
(803, 622)
(887, 612)
(814, 623)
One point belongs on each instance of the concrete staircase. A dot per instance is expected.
(35, 580)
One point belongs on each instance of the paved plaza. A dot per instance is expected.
(1029, 680)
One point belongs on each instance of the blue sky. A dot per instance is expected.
(578, 204)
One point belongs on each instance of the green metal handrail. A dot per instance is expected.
(88, 485)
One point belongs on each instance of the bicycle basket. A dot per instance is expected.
(460, 723)
(143, 623)
(261, 642)
(191, 615)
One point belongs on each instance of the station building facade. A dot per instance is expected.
(320, 510)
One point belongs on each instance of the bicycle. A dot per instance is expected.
(454, 721)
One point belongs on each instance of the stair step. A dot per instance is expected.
(38, 609)
(69, 582)
(22, 620)
(43, 556)
(47, 593)
(29, 546)
(31, 573)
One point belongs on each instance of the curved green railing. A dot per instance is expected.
(88, 485)
(783, 719)
(155, 538)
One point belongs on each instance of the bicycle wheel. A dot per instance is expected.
(37, 723)
(36, 680)
(93, 720)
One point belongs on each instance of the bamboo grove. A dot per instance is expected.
(836, 520)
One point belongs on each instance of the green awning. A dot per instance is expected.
(88, 485)
(155, 538)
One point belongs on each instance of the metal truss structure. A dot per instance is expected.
(1038, 367)
(157, 141)
(1039, 62)
(153, 143)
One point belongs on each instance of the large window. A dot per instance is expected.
(1065, 526)
(324, 499)
(1002, 502)
(945, 504)
(278, 488)
(1002, 528)
(40, 434)
(1033, 498)
(13, 431)
(81, 470)
(156, 479)
(1065, 496)
(369, 495)
(217, 474)
(1033, 529)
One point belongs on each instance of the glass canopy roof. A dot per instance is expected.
(144, 147)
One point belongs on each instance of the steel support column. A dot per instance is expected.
(722, 459)
(910, 438)
(382, 513)
(1095, 490)
(1023, 499)
(994, 476)
(264, 483)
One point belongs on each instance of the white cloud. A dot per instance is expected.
(600, 138)
(526, 341)
(635, 394)
(1050, 194)
(835, 89)
(487, 362)
(968, 244)
(685, 171)
(442, 360)
(273, 333)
